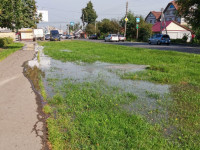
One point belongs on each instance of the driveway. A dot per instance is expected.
(20, 125)
(178, 48)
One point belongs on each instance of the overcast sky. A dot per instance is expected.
(65, 11)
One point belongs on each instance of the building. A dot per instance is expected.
(171, 13)
(153, 17)
(4, 32)
(174, 29)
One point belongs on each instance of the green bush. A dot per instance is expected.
(185, 38)
(4, 42)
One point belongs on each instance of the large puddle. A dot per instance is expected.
(151, 97)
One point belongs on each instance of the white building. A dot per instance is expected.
(174, 30)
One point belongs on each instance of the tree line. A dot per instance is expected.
(190, 10)
(107, 26)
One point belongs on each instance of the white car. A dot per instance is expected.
(112, 38)
(122, 38)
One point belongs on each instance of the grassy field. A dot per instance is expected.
(85, 117)
(5, 52)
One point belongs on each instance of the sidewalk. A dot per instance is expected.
(18, 107)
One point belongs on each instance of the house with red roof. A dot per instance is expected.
(174, 29)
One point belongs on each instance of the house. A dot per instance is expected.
(174, 30)
(171, 13)
(153, 17)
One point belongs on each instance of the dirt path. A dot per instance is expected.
(18, 107)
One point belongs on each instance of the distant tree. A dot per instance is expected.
(77, 26)
(90, 29)
(190, 10)
(89, 14)
(108, 26)
(145, 29)
(15, 14)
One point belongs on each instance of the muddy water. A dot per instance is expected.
(110, 73)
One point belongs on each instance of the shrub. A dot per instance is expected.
(4, 42)
(185, 38)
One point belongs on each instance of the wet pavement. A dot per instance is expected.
(146, 105)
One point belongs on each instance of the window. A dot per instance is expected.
(171, 6)
(150, 21)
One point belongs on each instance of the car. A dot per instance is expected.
(112, 38)
(62, 36)
(160, 39)
(122, 38)
(47, 37)
(93, 37)
(54, 35)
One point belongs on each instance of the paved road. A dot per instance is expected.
(18, 109)
(179, 48)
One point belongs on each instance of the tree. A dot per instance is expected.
(107, 26)
(90, 29)
(89, 14)
(190, 10)
(145, 29)
(16, 14)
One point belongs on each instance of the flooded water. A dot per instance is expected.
(145, 104)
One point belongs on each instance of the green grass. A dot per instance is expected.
(5, 52)
(165, 66)
(89, 116)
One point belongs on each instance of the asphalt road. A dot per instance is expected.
(178, 48)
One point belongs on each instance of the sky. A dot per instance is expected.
(62, 12)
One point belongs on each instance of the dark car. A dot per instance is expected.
(160, 39)
(93, 37)
(47, 37)
(54, 35)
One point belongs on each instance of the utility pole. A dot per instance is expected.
(126, 17)
(83, 19)
(95, 28)
(163, 20)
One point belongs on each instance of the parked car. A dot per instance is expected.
(93, 37)
(54, 35)
(160, 39)
(77, 36)
(47, 37)
(122, 38)
(112, 38)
